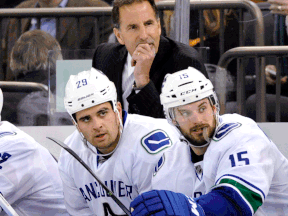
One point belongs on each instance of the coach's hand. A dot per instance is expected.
(142, 59)
(163, 202)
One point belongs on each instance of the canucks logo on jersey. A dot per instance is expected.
(156, 141)
(225, 129)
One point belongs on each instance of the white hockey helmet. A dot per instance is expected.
(1, 102)
(88, 89)
(184, 87)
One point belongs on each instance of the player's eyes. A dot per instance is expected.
(85, 119)
(202, 109)
(185, 113)
(102, 113)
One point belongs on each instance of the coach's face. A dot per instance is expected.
(193, 118)
(138, 25)
(100, 126)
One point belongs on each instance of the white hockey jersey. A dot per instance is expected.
(127, 173)
(240, 157)
(29, 177)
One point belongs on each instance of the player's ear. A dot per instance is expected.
(214, 109)
(118, 35)
(119, 107)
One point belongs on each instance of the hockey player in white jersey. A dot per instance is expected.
(122, 149)
(29, 177)
(229, 167)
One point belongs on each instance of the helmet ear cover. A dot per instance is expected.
(213, 99)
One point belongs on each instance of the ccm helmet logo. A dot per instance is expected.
(187, 92)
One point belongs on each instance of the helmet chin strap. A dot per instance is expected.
(205, 135)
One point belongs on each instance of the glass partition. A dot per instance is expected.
(71, 63)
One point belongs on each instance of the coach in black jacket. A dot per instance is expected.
(139, 35)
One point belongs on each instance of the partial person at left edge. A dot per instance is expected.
(139, 62)
(29, 178)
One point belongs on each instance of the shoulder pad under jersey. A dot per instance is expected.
(8, 133)
(225, 129)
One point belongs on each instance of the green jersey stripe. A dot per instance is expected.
(252, 197)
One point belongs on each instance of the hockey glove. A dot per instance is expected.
(163, 202)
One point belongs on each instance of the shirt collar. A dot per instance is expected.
(63, 3)
(129, 66)
(124, 117)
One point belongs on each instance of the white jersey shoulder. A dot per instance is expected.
(29, 176)
(151, 135)
(242, 157)
(126, 173)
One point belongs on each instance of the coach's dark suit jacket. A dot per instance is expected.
(172, 56)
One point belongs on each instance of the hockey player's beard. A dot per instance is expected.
(199, 140)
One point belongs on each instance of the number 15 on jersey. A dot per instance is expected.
(240, 159)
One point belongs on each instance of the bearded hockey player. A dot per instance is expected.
(229, 167)
(29, 178)
(122, 149)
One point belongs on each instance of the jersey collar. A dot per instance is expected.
(124, 116)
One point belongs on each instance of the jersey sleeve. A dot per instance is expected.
(142, 174)
(166, 179)
(148, 151)
(245, 171)
(17, 170)
(74, 201)
(142, 171)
